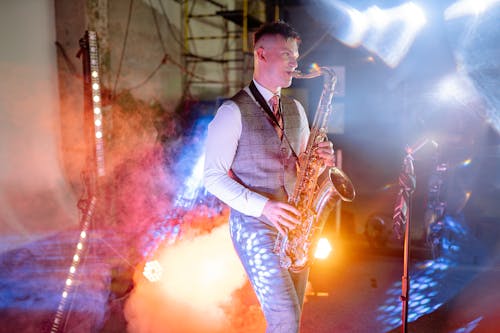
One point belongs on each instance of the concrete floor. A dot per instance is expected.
(356, 290)
(364, 289)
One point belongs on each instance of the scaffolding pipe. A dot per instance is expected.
(186, 26)
(245, 25)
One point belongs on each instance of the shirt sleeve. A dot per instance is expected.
(223, 135)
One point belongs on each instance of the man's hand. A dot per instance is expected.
(282, 215)
(324, 150)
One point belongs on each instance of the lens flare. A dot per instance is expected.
(314, 67)
(468, 8)
(152, 271)
(323, 249)
(388, 32)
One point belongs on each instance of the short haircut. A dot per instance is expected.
(276, 28)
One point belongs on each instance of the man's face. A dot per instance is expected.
(280, 60)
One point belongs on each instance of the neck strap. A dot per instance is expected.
(263, 104)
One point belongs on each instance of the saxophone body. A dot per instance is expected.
(315, 189)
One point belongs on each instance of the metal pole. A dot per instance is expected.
(405, 280)
(245, 26)
(338, 211)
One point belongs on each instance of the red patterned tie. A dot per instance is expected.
(275, 103)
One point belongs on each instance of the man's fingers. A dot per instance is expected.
(325, 144)
(286, 220)
(280, 230)
(290, 219)
(289, 208)
(288, 224)
(282, 215)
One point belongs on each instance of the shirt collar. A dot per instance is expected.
(266, 93)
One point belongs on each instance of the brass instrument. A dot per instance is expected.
(314, 187)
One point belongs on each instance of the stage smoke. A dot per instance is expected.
(200, 289)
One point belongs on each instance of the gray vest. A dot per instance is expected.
(264, 163)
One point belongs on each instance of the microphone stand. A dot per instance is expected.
(409, 172)
(407, 181)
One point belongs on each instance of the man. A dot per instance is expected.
(252, 150)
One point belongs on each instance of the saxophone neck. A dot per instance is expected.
(324, 70)
(311, 75)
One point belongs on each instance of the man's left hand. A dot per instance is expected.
(325, 152)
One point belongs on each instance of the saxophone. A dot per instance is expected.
(315, 187)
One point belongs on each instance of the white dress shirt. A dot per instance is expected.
(222, 140)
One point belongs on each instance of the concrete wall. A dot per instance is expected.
(35, 198)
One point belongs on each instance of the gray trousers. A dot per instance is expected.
(280, 292)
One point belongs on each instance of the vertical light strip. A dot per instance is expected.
(80, 246)
(96, 102)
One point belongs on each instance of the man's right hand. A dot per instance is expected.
(282, 215)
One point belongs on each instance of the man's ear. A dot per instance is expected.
(260, 52)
